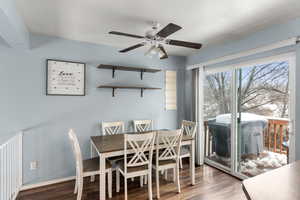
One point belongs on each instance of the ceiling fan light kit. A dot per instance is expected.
(156, 40)
(155, 50)
(150, 52)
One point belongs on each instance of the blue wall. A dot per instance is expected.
(46, 119)
(267, 36)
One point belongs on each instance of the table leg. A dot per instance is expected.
(192, 162)
(92, 155)
(102, 183)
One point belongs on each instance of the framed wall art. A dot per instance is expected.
(65, 78)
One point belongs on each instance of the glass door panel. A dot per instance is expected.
(262, 117)
(217, 118)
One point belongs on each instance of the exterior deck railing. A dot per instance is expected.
(276, 132)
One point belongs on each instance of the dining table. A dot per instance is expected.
(108, 146)
(278, 184)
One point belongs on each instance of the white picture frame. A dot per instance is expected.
(65, 78)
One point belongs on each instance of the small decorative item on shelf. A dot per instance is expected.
(65, 78)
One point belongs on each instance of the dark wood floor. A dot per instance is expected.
(211, 184)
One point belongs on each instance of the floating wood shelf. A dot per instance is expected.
(114, 87)
(124, 68)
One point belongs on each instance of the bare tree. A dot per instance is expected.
(218, 83)
(263, 90)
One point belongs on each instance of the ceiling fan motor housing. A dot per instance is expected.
(152, 33)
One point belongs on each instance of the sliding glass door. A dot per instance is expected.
(263, 117)
(217, 119)
(248, 115)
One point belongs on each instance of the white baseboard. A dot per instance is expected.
(41, 184)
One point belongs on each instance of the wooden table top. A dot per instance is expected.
(279, 184)
(111, 143)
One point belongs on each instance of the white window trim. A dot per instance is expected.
(268, 59)
(167, 95)
(259, 50)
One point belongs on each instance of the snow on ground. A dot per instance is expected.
(245, 117)
(266, 162)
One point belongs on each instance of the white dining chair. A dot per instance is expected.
(112, 128)
(189, 128)
(140, 162)
(168, 145)
(142, 125)
(85, 168)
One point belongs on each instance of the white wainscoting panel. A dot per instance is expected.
(11, 168)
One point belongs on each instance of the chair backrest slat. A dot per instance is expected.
(168, 145)
(140, 144)
(76, 151)
(112, 128)
(189, 128)
(142, 125)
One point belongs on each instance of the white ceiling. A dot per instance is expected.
(206, 21)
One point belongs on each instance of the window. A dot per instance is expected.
(171, 90)
(248, 115)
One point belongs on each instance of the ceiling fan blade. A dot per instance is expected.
(131, 48)
(168, 30)
(184, 44)
(125, 34)
(164, 51)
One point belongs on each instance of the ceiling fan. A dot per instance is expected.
(156, 39)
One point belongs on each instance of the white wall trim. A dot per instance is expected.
(292, 110)
(51, 182)
(259, 61)
(265, 48)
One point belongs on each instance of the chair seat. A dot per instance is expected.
(120, 164)
(185, 150)
(92, 164)
(163, 162)
(116, 158)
